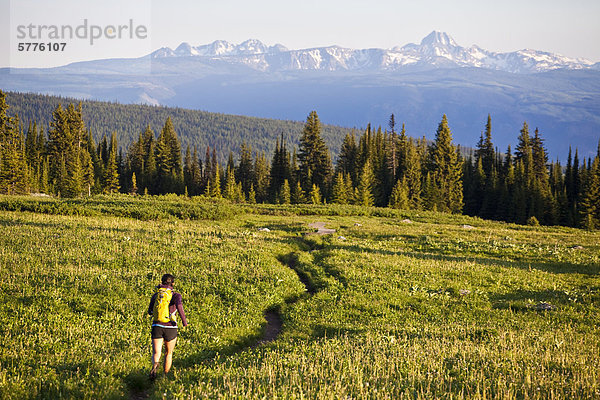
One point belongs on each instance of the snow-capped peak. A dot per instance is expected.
(436, 38)
(185, 49)
(251, 46)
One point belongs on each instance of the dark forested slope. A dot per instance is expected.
(224, 132)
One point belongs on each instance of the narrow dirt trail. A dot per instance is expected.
(320, 227)
(274, 325)
(273, 317)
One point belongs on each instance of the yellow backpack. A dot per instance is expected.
(161, 306)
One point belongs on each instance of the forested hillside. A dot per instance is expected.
(377, 168)
(223, 132)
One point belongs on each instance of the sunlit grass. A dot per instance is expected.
(428, 309)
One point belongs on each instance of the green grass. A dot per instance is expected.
(428, 309)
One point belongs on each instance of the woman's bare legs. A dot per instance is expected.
(156, 353)
(170, 345)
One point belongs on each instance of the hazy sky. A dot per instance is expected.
(568, 27)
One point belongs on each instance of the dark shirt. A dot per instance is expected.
(175, 304)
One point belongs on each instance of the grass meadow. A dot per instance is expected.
(395, 304)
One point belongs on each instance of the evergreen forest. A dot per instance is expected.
(65, 153)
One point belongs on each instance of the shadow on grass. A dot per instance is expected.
(431, 254)
(138, 384)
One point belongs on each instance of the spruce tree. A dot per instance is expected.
(261, 178)
(280, 169)
(315, 195)
(524, 153)
(251, 195)
(412, 173)
(365, 186)
(399, 197)
(111, 174)
(339, 194)
(164, 166)
(590, 202)
(215, 183)
(447, 170)
(87, 166)
(351, 198)
(298, 196)
(285, 195)
(230, 185)
(313, 156)
(245, 169)
(168, 160)
(187, 169)
(347, 157)
(485, 149)
(195, 174)
(13, 164)
(431, 195)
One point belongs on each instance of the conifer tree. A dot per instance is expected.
(168, 160)
(590, 202)
(485, 149)
(245, 169)
(431, 196)
(215, 184)
(230, 185)
(164, 166)
(339, 194)
(187, 169)
(13, 164)
(569, 177)
(315, 162)
(412, 173)
(447, 170)
(195, 174)
(392, 148)
(239, 197)
(280, 169)
(365, 186)
(251, 195)
(347, 157)
(524, 153)
(519, 203)
(402, 144)
(261, 178)
(285, 195)
(351, 198)
(298, 196)
(87, 166)
(150, 171)
(230, 163)
(399, 197)
(315, 194)
(505, 201)
(111, 174)
(32, 156)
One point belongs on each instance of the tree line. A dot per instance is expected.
(381, 167)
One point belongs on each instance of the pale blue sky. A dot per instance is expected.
(560, 26)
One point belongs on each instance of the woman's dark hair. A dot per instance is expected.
(168, 279)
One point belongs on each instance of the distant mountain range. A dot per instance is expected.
(437, 49)
(348, 87)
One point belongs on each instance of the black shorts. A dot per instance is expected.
(158, 332)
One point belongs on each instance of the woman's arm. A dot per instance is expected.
(179, 304)
(151, 306)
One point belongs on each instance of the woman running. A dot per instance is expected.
(164, 305)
